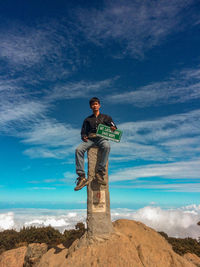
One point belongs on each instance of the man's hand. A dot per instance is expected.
(113, 128)
(85, 138)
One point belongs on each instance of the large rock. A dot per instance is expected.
(54, 257)
(192, 258)
(13, 257)
(33, 254)
(133, 244)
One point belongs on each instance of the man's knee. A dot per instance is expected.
(79, 150)
(82, 148)
(106, 146)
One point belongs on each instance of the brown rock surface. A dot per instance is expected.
(133, 244)
(13, 257)
(33, 254)
(54, 257)
(192, 258)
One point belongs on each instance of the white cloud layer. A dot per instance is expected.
(177, 223)
(180, 222)
(7, 221)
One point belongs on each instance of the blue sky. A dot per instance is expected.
(141, 58)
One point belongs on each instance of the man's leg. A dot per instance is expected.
(104, 146)
(80, 153)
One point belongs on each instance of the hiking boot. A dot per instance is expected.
(81, 181)
(100, 178)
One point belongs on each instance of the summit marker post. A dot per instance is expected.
(98, 200)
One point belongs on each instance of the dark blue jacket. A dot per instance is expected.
(90, 124)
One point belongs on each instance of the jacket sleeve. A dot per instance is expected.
(84, 131)
(109, 121)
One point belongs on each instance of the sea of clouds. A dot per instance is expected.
(180, 222)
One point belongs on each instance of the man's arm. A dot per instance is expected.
(84, 131)
(109, 122)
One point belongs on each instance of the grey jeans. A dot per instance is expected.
(104, 146)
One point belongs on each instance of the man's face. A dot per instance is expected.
(95, 106)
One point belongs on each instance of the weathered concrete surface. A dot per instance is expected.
(98, 199)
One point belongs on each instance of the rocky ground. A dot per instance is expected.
(133, 244)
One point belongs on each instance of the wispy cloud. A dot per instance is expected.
(176, 170)
(27, 46)
(172, 186)
(20, 106)
(167, 138)
(21, 112)
(50, 139)
(79, 89)
(37, 55)
(170, 138)
(24, 114)
(136, 26)
(23, 107)
(67, 178)
(24, 46)
(48, 152)
(173, 140)
(180, 88)
(51, 132)
(42, 188)
(48, 181)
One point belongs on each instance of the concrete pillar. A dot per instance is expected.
(98, 200)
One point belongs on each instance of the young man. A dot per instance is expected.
(89, 137)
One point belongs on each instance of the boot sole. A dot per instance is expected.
(79, 188)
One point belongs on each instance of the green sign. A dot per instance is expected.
(105, 131)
